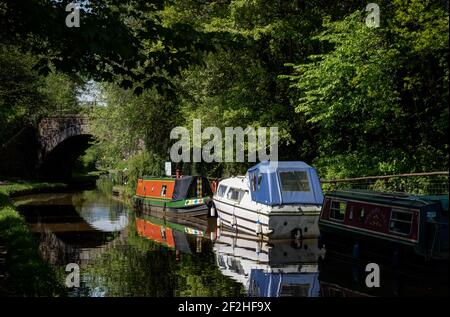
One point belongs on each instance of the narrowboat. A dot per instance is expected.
(393, 223)
(182, 195)
(276, 199)
(172, 235)
(267, 269)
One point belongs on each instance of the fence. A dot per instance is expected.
(434, 183)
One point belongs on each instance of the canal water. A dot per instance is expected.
(123, 253)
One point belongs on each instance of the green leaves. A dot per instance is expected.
(115, 39)
(358, 100)
(25, 95)
(367, 94)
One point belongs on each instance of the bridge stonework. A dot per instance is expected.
(54, 130)
(24, 155)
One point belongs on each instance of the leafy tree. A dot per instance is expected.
(25, 96)
(117, 40)
(377, 106)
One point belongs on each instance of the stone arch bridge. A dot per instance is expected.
(52, 131)
(47, 150)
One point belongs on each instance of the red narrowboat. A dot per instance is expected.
(394, 222)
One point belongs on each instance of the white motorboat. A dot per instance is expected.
(276, 199)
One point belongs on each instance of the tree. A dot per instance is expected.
(377, 96)
(116, 40)
(25, 96)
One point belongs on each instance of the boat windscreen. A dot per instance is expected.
(294, 181)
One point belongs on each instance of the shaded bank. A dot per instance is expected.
(23, 272)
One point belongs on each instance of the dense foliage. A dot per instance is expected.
(380, 98)
(26, 96)
(350, 99)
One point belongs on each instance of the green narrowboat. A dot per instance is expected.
(181, 195)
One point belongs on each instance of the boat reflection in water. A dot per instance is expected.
(269, 268)
(300, 268)
(265, 268)
(171, 234)
(135, 254)
(343, 276)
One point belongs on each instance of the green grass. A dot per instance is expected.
(28, 273)
(24, 188)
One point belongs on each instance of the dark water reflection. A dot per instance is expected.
(121, 253)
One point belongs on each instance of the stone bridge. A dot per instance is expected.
(52, 131)
(47, 150)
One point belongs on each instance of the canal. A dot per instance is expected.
(123, 253)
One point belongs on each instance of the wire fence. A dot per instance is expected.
(435, 183)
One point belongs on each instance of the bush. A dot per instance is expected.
(142, 164)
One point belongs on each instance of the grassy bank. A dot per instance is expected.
(25, 272)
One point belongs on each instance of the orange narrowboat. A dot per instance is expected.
(186, 194)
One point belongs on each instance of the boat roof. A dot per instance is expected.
(274, 166)
(264, 184)
(158, 178)
(169, 178)
(398, 199)
(271, 183)
(239, 182)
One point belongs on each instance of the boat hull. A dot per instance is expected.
(166, 208)
(277, 225)
(361, 245)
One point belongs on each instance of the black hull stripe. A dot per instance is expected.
(145, 203)
(172, 210)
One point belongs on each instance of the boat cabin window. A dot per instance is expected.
(296, 181)
(255, 184)
(163, 190)
(235, 194)
(337, 210)
(361, 214)
(401, 221)
(221, 191)
(290, 290)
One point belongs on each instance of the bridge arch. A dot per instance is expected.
(54, 130)
(47, 150)
(62, 139)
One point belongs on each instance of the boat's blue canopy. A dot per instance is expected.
(264, 284)
(279, 183)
